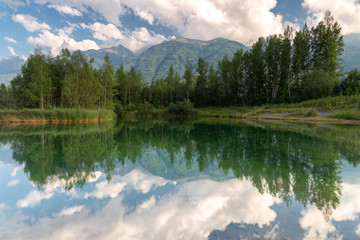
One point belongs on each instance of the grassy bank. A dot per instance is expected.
(55, 115)
(341, 109)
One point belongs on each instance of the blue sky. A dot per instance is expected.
(84, 24)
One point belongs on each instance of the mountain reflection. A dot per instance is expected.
(298, 163)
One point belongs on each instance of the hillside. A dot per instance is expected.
(9, 67)
(154, 63)
(351, 51)
(118, 55)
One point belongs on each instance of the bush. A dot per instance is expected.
(312, 113)
(145, 108)
(181, 108)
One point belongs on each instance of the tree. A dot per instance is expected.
(170, 81)
(107, 82)
(300, 61)
(327, 46)
(188, 77)
(36, 82)
(284, 84)
(201, 86)
(273, 65)
(351, 84)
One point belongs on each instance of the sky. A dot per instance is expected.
(135, 24)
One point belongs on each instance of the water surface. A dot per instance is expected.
(194, 179)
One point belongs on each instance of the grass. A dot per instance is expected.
(350, 114)
(54, 115)
(329, 103)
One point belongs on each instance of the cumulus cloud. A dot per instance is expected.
(13, 183)
(111, 10)
(314, 224)
(141, 38)
(9, 39)
(346, 12)
(203, 19)
(192, 211)
(61, 40)
(64, 9)
(33, 198)
(104, 32)
(12, 51)
(106, 190)
(110, 35)
(70, 211)
(14, 3)
(30, 23)
(317, 227)
(207, 19)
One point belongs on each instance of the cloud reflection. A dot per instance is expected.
(191, 211)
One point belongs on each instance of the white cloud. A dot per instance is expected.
(30, 23)
(13, 183)
(12, 51)
(106, 190)
(104, 32)
(70, 211)
(346, 12)
(56, 42)
(111, 10)
(13, 3)
(349, 207)
(243, 21)
(33, 198)
(314, 224)
(207, 19)
(141, 38)
(357, 231)
(9, 39)
(191, 211)
(63, 9)
(13, 173)
(144, 14)
(142, 182)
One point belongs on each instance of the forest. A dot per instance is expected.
(291, 67)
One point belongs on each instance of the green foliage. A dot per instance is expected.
(312, 113)
(350, 114)
(154, 63)
(181, 108)
(119, 110)
(319, 84)
(145, 108)
(351, 84)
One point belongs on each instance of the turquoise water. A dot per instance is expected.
(194, 179)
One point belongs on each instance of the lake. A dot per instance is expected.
(180, 179)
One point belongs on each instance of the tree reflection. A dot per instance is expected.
(293, 163)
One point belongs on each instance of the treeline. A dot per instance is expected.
(291, 67)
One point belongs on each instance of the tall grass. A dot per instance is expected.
(54, 115)
(350, 114)
(331, 102)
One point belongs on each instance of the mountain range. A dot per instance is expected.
(154, 62)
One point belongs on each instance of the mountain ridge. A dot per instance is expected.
(154, 62)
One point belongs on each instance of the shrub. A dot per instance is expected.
(181, 108)
(312, 113)
(145, 108)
